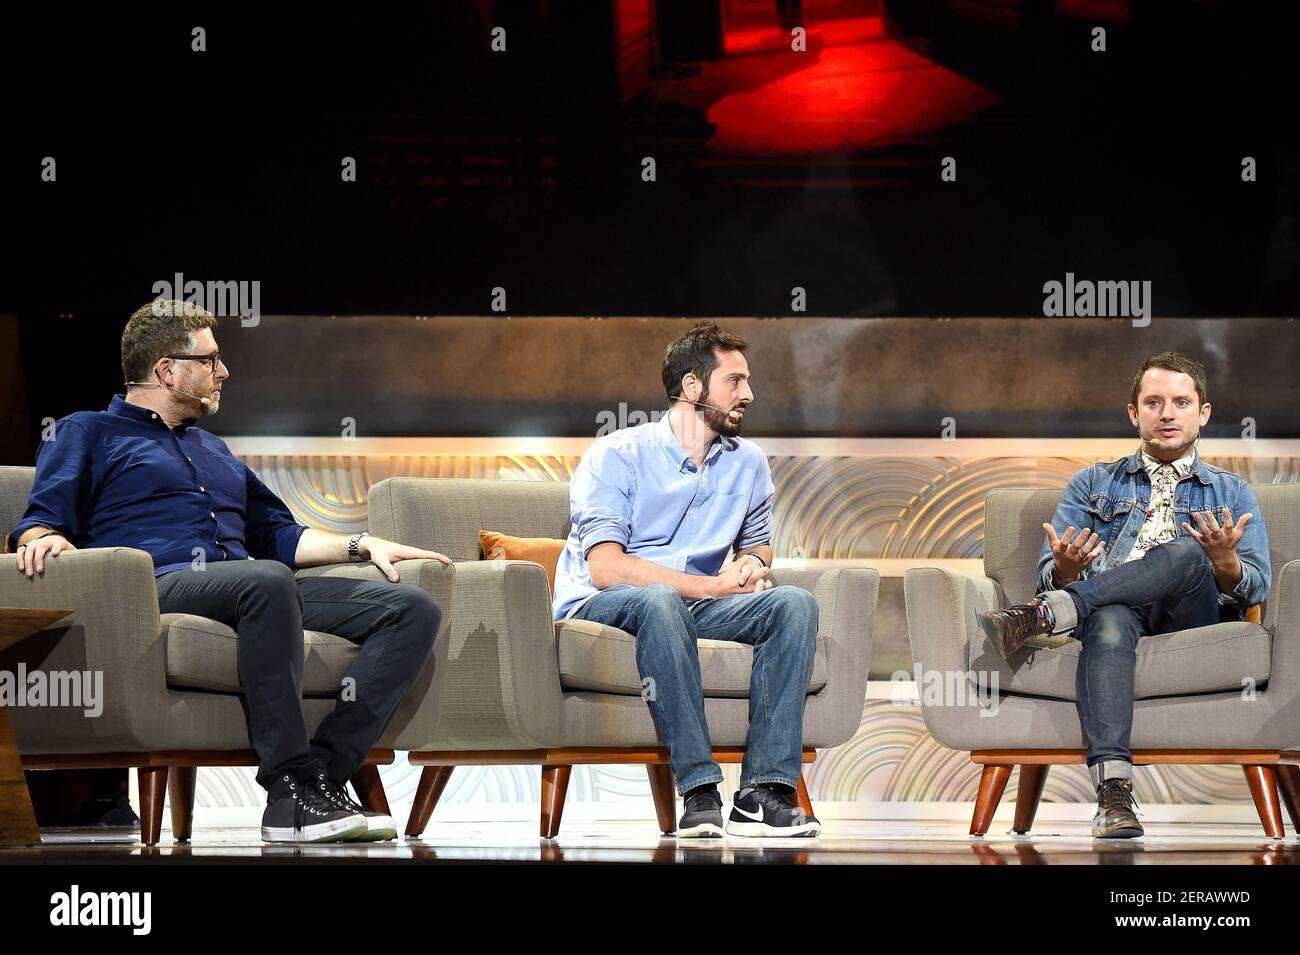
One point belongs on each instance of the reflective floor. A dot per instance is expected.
(844, 842)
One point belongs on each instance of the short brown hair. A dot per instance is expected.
(163, 327)
(694, 352)
(1172, 361)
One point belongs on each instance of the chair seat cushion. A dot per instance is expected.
(1220, 658)
(600, 658)
(202, 654)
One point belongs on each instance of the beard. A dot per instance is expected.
(718, 421)
(201, 389)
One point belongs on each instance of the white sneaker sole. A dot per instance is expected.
(338, 830)
(762, 830)
(705, 830)
(379, 829)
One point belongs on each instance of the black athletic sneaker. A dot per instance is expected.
(702, 818)
(768, 813)
(299, 813)
(1116, 818)
(379, 825)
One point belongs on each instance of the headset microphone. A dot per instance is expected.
(206, 402)
(733, 415)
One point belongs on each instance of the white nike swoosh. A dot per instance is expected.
(756, 816)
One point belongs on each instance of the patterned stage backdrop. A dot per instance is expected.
(827, 506)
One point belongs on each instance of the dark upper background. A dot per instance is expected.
(522, 170)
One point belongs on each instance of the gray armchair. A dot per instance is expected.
(171, 686)
(1225, 694)
(522, 689)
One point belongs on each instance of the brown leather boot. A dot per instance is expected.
(1011, 628)
(1116, 818)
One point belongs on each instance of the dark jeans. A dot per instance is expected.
(1171, 588)
(269, 608)
(780, 624)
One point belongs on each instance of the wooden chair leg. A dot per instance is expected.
(1288, 781)
(433, 780)
(1029, 792)
(1263, 789)
(181, 781)
(665, 796)
(555, 785)
(153, 793)
(993, 781)
(801, 796)
(370, 789)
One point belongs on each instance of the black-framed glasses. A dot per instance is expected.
(212, 360)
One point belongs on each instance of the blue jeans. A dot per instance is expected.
(1171, 588)
(780, 624)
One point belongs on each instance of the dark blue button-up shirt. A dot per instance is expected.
(122, 478)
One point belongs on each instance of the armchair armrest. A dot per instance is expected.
(502, 684)
(846, 603)
(941, 607)
(114, 634)
(1282, 620)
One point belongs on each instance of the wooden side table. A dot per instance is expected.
(17, 818)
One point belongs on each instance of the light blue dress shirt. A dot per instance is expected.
(639, 488)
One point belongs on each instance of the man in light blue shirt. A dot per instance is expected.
(656, 510)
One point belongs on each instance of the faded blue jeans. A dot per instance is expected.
(780, 624)
(1171, 588)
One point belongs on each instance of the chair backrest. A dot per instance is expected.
(15, 489)
(1014, 518)
(446, 514)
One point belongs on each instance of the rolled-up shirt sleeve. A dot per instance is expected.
(600, 498)
(757, 526)
(270, 530)
(60, 496)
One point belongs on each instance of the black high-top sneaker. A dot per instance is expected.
(296, 812)
(379, 825)
(759, 811)
(702, 814)
(1029, 624)
(1116, 818)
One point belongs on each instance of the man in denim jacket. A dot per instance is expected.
(1156, 542)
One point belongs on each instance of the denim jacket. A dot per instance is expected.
(1111, 498)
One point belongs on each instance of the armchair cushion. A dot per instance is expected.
(1225, 657)
(599, 658)
(202, 654)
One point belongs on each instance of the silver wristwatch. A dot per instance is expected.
(354, 551)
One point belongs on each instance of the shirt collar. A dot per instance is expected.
(674, 449)
(124, 409)
(1188, 464)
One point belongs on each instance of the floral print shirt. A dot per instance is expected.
(1159, 526)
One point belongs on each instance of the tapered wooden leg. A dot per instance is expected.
(1028, 793)
(992, 783)
(370, 789)
(181, 781)
(555, 784)
(1288, 781)
(801, 796)
(1263, 789)
(17, 817)
(665, 796)
(432, 782)
(153, 793)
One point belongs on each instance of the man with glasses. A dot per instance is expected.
(225, 546)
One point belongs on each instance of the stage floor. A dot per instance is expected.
(846, 842)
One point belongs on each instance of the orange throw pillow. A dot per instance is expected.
(540, 550)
